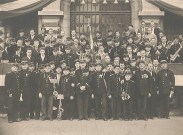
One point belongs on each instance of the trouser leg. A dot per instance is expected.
(85, 105)
(80, 105)
(43, 106)
(50, 106)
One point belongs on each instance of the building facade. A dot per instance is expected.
(70, 15)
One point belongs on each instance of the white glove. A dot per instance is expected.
(92, 96)
(10, 95)
(149, 95)
(71, 97)
(109, 96)
(40, 95)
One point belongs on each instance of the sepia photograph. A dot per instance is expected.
(91, 67)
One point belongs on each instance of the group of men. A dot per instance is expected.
(119, 78)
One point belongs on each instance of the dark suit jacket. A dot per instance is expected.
(165, 81)
(142, 83)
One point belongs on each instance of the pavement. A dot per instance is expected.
(172, 126)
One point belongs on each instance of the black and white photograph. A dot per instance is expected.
(91, 67)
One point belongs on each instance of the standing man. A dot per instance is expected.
(45, 88)
(100, 92)
(143, 88)
(25, 85)
(12, 85)
(82, 81)
(165, 84)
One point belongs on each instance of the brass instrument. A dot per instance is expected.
(173, 57)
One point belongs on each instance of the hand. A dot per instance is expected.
(122, 81)
(72, 84)
(158, 92)
(10, 95)
(109, 96)
(40, 95)
(171, 94)
(149, 95)
(92, 96)
(71, 97)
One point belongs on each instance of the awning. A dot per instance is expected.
(173, 6)
(20, 7)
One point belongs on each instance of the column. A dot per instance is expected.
(135, 6)
(65, 23)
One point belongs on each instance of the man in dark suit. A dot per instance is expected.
(42, 58)
(25, 86)
(55, 57)
(28, 57)
(99, 87)
(165, 85)
(114, 88)
(45, 88)
(82, 81)
(69, 57)
(32, 37)
(12, 85)
(143, 87)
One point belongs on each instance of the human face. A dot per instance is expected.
(142, 53)
(98, 35)
(117, 34)
(150, 67)
(58, 70)
(130, 40)
(66, 72)
(73, 33)
(25, 66)
(42, 52)
(155, 63)
(109, 67)
(22, 34)
(50, 32)
(149, 31)
(14, 68)
(62, 33)
(31, 68)
(47, 69)
(128, 77)
(116, 70)
(139, 35)
(107, 59)
(76, 41)
(19, 42)
(82, 65)
(63, 65)
(36, 43)
(163, 39)
(164, 65)
(98, 68)
(142, 66)
(32, 32)
(77, 64)
(122, 65)
(29, 53)
(116, 43)
(129, 49)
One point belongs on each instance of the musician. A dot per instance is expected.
(21, 36)
(156, 67)
(27, 45)
(83, 43)
(12, 85)
(99, 87)
(76, 48)
(142, 29)
(110, 34)
(29, 57)
(67, 85)
(33, 74)
(5, 55)
(155, 29)
(25, 86)
(32, 37)
(55, 57)
(98, 37)
(48, 48)
(130, 52)
(50, 37)
(150, 35)
(164, 41)
(60, 44)
(113, 89)
(149, 51)
(160, 53)
(42, 58)
(143, 87)
(73, 34)
(152, 101)
(116, 51)
(45, 89)
(143, 57)
(127, 95)
(19, 54)
(42, 35)
(35, 49)
(69, 57)
(132, 31)
(118, 36)
(165, 86)
(82, 81)
(109, 45)
(38, 100)
(176, 51)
